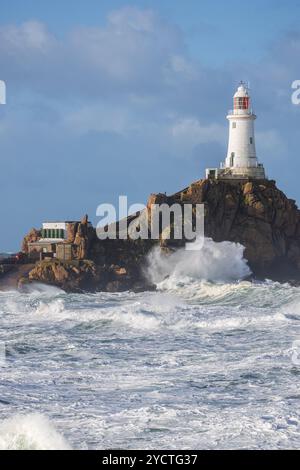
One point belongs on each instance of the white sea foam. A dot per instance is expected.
(202, 363)
(30, 432)
(39, 288)
(218, 262)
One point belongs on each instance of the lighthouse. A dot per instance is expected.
(241, 160)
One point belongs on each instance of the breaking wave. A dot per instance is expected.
(39, 288)
(209, 261)
(30, 432)
(204, 362)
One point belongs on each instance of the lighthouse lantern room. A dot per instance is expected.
(241, 161)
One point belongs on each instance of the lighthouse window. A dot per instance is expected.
(232, 159)
(241, 102)
(234, 125)
(251, 140)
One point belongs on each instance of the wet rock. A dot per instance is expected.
(259, 216)
(71, 277)
(32, 236)
(253, 213)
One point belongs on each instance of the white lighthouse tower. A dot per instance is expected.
(241, 161)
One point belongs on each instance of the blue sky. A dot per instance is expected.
(113, 97)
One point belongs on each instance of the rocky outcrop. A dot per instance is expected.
(32, 236)
(81, 235)
(254, 213)
(69, 276)
(85, 275)
(83, 239)
(97, 265)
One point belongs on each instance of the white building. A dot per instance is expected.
(53, 242)
(241, 161)
(54, 231)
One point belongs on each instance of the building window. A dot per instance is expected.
(233, 125)
(55, 233)
(251, 140)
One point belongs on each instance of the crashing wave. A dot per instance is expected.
(30, 432)
(215, 262)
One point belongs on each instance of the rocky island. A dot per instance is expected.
(254, 213)
(240, 205)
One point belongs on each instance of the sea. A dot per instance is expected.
(208, 361)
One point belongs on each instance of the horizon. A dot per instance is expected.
(139, 118)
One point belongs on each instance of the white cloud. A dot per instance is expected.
(189, 132)
(100, 118)
(133, 18)
(134, 75)
(30, 36)
(131, 51)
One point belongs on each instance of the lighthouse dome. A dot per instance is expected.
(241, 91)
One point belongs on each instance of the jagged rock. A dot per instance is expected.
(120, 271)
(159, 198)
(85, 219)
(83, 238)
(32, 236)
(71, 231)
(85, 275)
(67, 275)
(254, 213)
